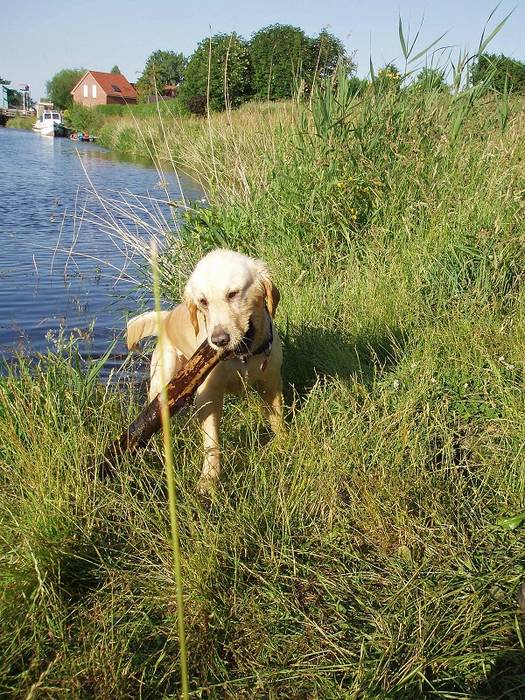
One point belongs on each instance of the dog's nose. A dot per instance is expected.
(219, 337)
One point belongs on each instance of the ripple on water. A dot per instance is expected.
(47, 209)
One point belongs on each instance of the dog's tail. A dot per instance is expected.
(141, 326)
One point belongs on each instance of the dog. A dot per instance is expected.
(231, 301)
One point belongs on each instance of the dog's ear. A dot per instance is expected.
(271, 293)
(193, 317)
(192, 308)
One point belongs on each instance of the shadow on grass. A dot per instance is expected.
(506, 680)
(313, 352)
(82, 566)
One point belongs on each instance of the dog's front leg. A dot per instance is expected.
(209, 406)
(171, 363)
(271, 393)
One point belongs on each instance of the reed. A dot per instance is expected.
(170, 468)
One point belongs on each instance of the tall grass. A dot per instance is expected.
(360, 555)
(217, 152)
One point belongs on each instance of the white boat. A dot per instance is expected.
(50, 124)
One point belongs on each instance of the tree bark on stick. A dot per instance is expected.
(180, 390)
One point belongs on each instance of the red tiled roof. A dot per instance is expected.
(109, 81)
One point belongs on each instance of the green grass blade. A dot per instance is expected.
(402, 39)
(427, 49)
(169, 467)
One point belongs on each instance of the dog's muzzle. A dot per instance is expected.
(220, 337)
(244, 349)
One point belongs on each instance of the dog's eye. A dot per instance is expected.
(203, 302)
(231, 295)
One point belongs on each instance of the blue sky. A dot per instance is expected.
(39, 38)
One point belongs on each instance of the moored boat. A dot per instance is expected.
(50, 124)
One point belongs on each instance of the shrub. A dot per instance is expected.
(356, 85)
(83, 118)
(431, 79)
(197, 104)
(388, 78)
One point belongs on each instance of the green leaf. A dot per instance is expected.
(404, 552)
(425, 50)
(485, 42)
(513, 522)
(402, 39)
(96, 366)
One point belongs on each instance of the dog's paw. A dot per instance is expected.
(206, 487)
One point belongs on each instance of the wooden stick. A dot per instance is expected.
(180, 390)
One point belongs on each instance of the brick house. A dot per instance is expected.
(96, 88)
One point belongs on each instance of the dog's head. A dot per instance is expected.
(227, 288)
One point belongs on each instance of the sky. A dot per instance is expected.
(37, 39)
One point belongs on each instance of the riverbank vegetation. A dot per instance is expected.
(21, 122)
(93, 119)
(365, 554)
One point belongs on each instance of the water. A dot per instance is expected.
(60, 261)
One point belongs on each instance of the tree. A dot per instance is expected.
(280, 55)
(116, 70)
(14, 98)
(498, 71)
(283, 58)
(327, 51)
(162, 68)
(60, 86)
(431, 80)
(4, 82)
(229, 68)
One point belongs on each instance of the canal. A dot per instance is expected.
(71, 218)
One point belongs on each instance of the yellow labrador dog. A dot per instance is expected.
(230, 300)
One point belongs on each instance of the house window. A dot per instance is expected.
(116, 88)
(93, 91)
(86, 91)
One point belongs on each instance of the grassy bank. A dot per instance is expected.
(360, 555)
(217, 151)
(95, 119)
(21, 122)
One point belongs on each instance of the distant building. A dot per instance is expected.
(96, 88)
(42, 107)
(168, 92)
(3, 97)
